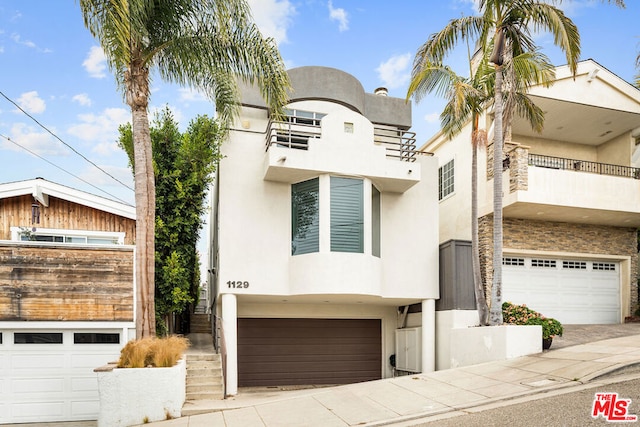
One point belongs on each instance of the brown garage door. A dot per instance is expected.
(308, 351)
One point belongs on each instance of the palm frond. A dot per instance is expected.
(544, 16)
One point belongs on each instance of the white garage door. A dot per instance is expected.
(572, 291)
(48, 375)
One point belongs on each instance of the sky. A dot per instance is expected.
(66, 127)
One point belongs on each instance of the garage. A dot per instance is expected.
(308, 351)
(47, 375)
(572, 291)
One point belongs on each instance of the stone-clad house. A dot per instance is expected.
(571, 203)
(66, 298)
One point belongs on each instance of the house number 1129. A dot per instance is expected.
(233, 284)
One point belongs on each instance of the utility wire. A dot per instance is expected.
(64, 170)
(58, 138)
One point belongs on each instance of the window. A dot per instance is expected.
(305, 217)
(445, 180)
(96, 338)
(0, 337)
(375, 221)
(37, 338)
(543, 263)
(513, 261)
(67, 236)
(604, 266)
(303, 117)
(344, 226)
(574, 265)
(347, 218)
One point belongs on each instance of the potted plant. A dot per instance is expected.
(147, 383)
(523, 315)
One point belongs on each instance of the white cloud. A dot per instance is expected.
(190, 95)
(475, 4)
(432, 117)
(28, 43)
(32, 103)
(340, 15)
(95, 63)
(82, 99)
(99, 178)
(101, 131)
(39, 142)
(394, 72)
(273, 17)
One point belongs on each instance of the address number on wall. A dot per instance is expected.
(237, 284)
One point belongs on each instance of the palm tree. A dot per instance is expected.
(467, 98)
(205, 44)
(506, 25)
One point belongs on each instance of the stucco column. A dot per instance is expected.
(428, 335)
(230, 330)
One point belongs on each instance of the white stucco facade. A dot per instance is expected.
(255, 274)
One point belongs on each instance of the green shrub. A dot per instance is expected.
(155, 352)
(522, 315)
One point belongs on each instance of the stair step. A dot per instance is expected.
(203, 388)
(204, 379)
(203, 356)
(201, 363)
(205, 395)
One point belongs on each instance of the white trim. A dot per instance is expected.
(65, 325)
(40, 189)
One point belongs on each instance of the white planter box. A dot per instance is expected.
(470, 346)
(131, 396)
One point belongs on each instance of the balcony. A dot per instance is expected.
(569, 190)
(583, 166)
(294, 133)
(299, 149)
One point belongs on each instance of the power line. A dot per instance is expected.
(64, 170)
(59, 139)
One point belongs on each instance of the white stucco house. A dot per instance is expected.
(324, 238)
(571, 203)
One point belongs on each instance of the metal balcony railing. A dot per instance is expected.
(399, 144)
(583, 166)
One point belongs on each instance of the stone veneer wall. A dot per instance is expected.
(559, 237)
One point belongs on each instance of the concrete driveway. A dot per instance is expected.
(583, 334)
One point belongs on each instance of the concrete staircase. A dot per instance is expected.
(204, 383)
(200, 323)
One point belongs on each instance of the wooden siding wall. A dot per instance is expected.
(58, 282)
(61, 214)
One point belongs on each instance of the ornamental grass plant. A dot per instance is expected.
(153, 352)
(522, 315)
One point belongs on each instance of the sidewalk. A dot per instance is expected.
(415, 397)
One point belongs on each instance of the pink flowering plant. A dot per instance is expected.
(523, 315)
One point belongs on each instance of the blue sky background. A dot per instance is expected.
(53, 68)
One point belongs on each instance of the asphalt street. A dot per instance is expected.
(568, 409)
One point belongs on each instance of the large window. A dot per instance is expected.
(445, 180)
(345, 223)
(347, 219)
(305, 215)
